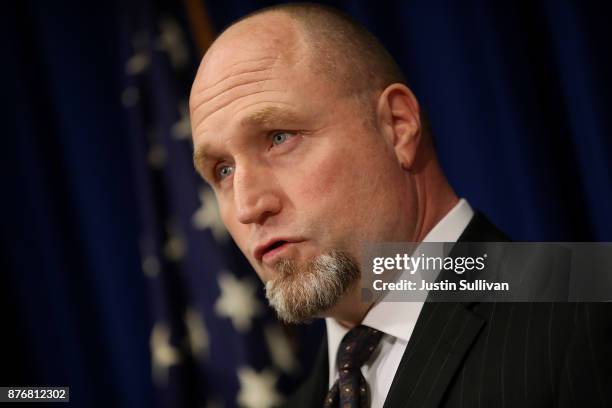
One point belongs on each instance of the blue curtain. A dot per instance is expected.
(113, 266)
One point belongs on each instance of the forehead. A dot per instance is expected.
(237, 74)
(271, 35)
(262, 65)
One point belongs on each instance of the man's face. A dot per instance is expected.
(296, 171)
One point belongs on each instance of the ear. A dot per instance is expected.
(399, 120)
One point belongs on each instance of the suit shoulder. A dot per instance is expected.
(480, 229)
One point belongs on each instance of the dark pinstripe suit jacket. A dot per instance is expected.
(496, 354)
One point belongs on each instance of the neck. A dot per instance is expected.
(351, 309)
(434, 197)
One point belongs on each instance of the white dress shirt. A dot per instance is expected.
(395, 319)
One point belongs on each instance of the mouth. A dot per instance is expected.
(267, 252)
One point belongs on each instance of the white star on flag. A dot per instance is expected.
(181, 129)
(175, 246)
(141, 59)
(207, 216)
(280, 349)
(157, 156)
(151, 266)
(137, 63)
(171, 40)
(257, 390)
(198, 335)
(163, 354)
(237, 300)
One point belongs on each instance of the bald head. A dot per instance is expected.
(332, 44)
(272, 37)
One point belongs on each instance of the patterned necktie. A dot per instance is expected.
(350, 389)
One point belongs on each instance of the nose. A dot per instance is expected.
(255, 196)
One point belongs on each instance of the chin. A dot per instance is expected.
(306, 290)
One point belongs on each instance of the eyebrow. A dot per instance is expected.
(200, 156)
(265, 117)
(268, 116)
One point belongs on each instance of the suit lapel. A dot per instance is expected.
(313, 391)
(319, 386)
(443, 335)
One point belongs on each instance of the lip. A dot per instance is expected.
(268, 250)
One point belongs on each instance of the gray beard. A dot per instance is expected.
(301, 292)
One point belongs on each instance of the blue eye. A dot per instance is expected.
(279, 138)
(224, 171)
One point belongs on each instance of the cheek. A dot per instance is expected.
(331, 188)
(323, 182)
(353, 195)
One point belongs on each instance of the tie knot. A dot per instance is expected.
(356, 347)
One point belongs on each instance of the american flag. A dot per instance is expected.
(213, 341)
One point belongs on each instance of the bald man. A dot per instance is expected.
(313, 145)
